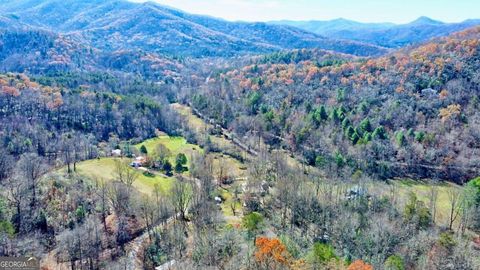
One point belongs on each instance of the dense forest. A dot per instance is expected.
(413, 112)
(240, 153)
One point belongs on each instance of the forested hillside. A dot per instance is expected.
(123, 25)
(46, 52)
(413, 112)
(138, 136)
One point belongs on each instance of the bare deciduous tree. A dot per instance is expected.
(102, 194)
(454, 201)
(31, 167)
(181, 196)
(433, 198)
(124, 174)
(148, 214)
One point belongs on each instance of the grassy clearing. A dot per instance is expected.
(200, 127)
(193, 121)
(103, 168)
(228, 196)
(422, 191)
(403, 187)
(228, 165)
(176, 145)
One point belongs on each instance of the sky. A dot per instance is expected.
(397, 11)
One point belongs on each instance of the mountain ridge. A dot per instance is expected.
(119, 24)
(388, 35)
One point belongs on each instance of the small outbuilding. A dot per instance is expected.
(117, 153)
(138, 162)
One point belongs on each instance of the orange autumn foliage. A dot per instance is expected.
(10, 91)
(56, 101)
(443, 94)
(359, 265)
(271, 249)
(450, 111)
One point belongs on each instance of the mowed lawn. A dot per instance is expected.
(104, 168)
(176, 145)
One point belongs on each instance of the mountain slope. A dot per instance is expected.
(383, 34)
(413, 112)
(118, 24)
(328, 28)
(44, 52)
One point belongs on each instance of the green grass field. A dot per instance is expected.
(193, 121)
(176, 145)
(103, 168)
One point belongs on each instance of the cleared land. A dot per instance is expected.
(103, 168)
(402, 188)
(200, 127)
(176, 145)
(226, 165)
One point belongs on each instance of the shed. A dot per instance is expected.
(116, 152)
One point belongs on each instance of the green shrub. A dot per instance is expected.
(446, 240)
(394, 262)
(80, 213)
(419, 136)
(323, 253)
(7, 228)
(400, 138)
(475, 185)
(252, 223)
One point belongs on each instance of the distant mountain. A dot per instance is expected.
(423, 21)
(328, 28)
(119, 25)
(382, 34)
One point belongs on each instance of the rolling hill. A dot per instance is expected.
(382, 34)
(120, 25)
